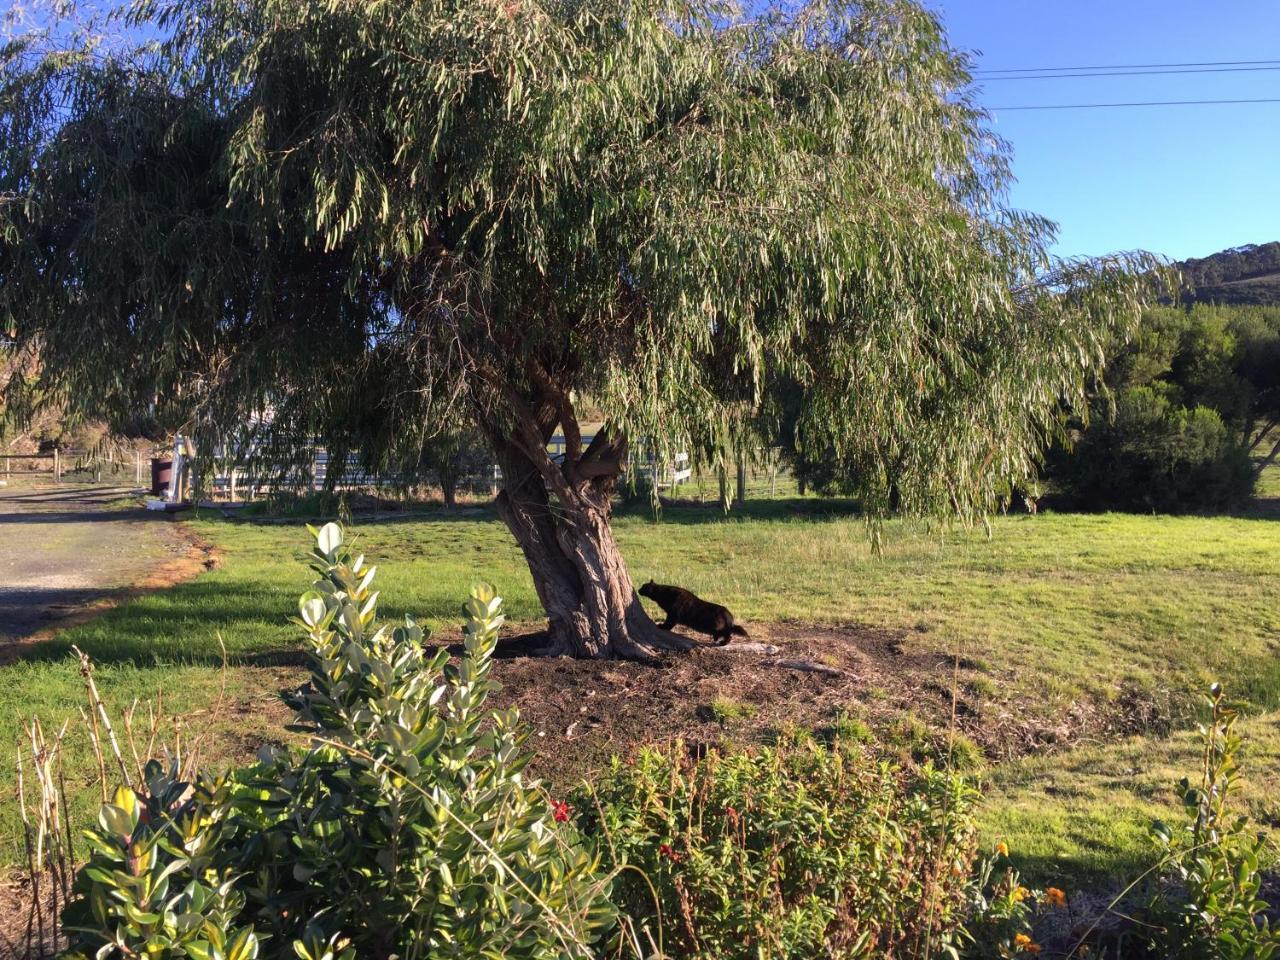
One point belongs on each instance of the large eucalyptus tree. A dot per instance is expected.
(373, 217)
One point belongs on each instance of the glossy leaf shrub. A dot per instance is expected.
(406, 828)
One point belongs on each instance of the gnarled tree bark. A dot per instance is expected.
(559, 512)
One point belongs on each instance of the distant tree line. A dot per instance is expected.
(1187, 415)
(1243, 275)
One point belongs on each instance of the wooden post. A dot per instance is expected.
(741, 497)
(57, 466)
(137, 468)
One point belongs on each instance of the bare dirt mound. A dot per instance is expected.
(582, 712)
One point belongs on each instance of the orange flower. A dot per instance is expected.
(1002, 849)
(1055, 897)
(1024, 944)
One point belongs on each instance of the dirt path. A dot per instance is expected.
(67, 552)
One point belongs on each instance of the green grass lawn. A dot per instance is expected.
(1062, 612)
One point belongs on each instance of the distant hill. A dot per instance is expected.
(1243, 275)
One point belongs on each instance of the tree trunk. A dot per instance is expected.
(1266, 461)
(578, 571)
(448, 474)
(740, 493)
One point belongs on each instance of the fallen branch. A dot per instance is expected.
(808, 666)
(768, 649)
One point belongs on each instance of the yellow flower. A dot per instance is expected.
(1024, 944)
(1002, 849)
(1019, 894)
(1055, 897)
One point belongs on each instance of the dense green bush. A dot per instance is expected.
(405, 829)
(1156, 455)
(1183, 407)
(799, 851)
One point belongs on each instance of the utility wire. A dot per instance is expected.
(1139, 103)
(1127, 73)
(1128, 66)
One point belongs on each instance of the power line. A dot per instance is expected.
(1129, 66)
(1128, 73)
(1138, 103)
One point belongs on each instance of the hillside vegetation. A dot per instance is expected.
(1242, 275)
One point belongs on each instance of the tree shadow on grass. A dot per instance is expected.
(24, 611)
(85, 516)
(181, 629)
(181, 626)
(359, 519)
(684, 512)
(688, 513)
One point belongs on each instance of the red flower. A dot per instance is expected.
(666, 851)
(731, 813)
(560, 810)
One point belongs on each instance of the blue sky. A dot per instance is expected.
(1178, 181)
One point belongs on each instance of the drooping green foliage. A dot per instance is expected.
(367, 222)
(357, 212)
(406, 827)
(1187, 403)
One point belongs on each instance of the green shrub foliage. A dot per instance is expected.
(794, 851)
(406, 828)
(1187, 416)
(156, 883)
(1157, 455)
(1208, 902)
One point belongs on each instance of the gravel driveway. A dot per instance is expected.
(63, 548)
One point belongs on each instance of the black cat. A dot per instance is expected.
(683, 607)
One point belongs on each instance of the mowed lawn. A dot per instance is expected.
(1062, 613)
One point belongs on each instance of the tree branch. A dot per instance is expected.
(1268, 460)
(594, 468)
(564, 410)
(1262, 434)
(528, 435)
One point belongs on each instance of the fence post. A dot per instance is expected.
(57, 466)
